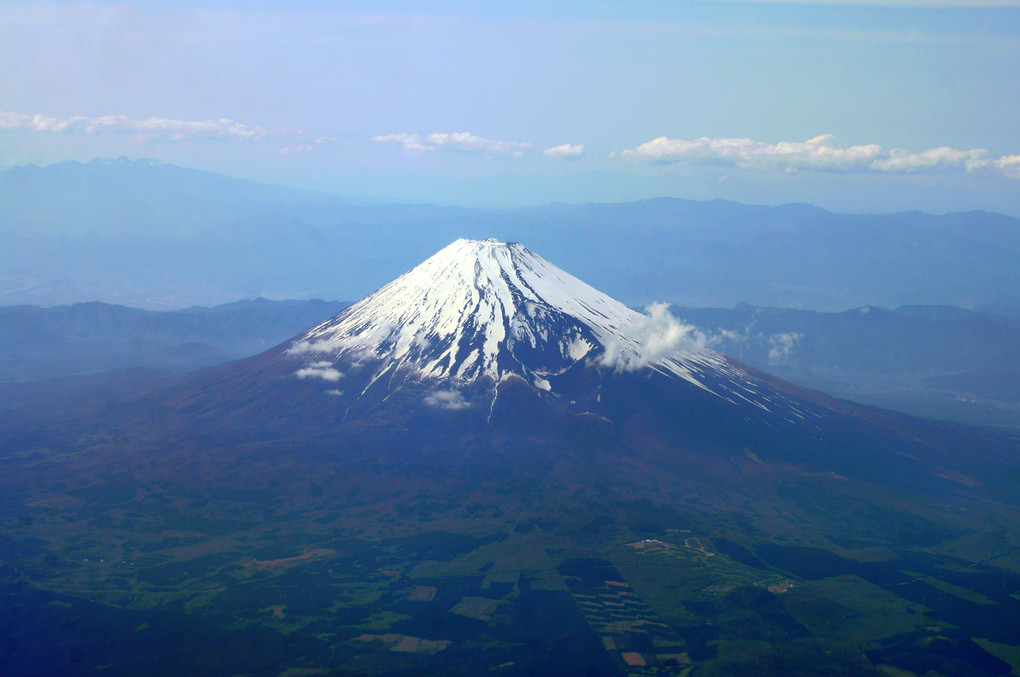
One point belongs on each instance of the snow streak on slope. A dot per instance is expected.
(485, 309)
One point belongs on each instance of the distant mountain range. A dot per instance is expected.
(153, 235)
(933, 361)
(84, 338)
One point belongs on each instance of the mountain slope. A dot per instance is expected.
(489, 330)
(434, 483)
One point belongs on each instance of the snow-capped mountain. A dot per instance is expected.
(487, 309)
(408, 445)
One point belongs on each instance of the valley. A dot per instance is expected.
(439, 601)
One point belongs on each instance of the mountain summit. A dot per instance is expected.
(489, 309)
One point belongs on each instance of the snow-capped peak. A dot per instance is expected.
(485, 309)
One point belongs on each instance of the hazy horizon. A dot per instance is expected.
(378, 200)
(855, 107)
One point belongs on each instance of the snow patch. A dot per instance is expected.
(460, 310)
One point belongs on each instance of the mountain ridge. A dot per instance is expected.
(226, 244)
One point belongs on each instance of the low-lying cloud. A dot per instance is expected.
(324, 370)
(462, 141)
(656, 335)
(446, 399)
(781, 346)
(822, 153)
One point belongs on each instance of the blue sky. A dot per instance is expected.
(854, 106)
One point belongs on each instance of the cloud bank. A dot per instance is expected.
(463, 141)
(156, 127)
(822, 153)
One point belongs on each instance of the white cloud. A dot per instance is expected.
(656, 335)
(323, 370)
(155, 127)
(296, 148)
(446, 399)
(37, 123)
(781, 346)
(1009, 165)
(410, 141)
(464, 141)
(822, 153)
(567, 150)
(303, 347)
(933, 159)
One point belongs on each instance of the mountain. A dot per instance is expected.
(146, 233)
(153, 235)
(489, 309)
(481, 314)
(488, 465)
(38, 343)
(931, 361)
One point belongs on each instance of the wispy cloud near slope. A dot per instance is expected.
(822, 153)
(657, 334)
(323, 370)
(446, 399)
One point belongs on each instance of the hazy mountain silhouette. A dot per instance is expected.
(180, 237)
